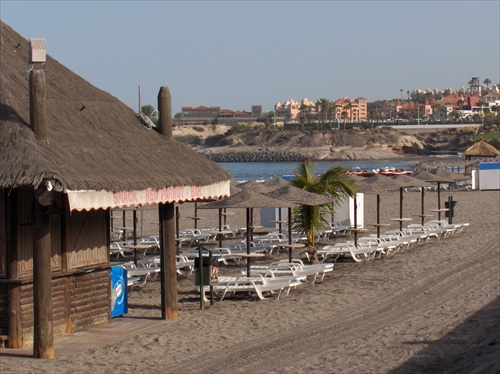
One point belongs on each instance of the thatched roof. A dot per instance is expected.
(246, 198)
(374, 184)
(95, 142)
(266, 186)
(482, 149)
(275, 196)
(295, 196)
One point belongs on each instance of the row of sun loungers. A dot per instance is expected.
(391, 242)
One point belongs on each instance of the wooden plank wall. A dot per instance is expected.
(87, 238)
(59, 310)
(78, 303)
(90, 299)
(24, 234)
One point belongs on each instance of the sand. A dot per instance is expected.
(433, 308)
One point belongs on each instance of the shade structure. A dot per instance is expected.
(247, 199)
(439, 176)
(481, 149)
(405, 181)
(297, 196)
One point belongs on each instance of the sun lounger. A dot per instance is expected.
(363, 252)
(252, 286)
(280, 268)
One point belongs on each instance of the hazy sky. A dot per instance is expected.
(237, 53)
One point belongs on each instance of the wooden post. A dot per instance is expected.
(38, 104)
(168, 272)
(15, 336)
(43, 341)
(165, 109)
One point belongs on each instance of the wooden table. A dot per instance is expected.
(135, 248)
(220, 234)
(379, 225)
(290, 247)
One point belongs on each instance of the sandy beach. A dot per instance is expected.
(433, 308)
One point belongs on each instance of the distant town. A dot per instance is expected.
(478, 103)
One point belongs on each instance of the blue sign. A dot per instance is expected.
(119, 294)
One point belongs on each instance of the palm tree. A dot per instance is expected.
(323, 105)
(309, 219)
(461, 103)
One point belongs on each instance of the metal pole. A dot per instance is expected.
(401, 208)
(378, 216)
(248, 239)
(439, 200)
(423, 208)
(134, 218)
(200, 276)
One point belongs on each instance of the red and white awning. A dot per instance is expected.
(87, 200)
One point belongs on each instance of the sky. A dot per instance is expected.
(235, 54)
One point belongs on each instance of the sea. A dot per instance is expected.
(244, 171)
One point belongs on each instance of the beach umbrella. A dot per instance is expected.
(297, 196)
(247, 199)
(375, 185)
(406, 181)
(437, 176)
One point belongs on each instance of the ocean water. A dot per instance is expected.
(243, 171)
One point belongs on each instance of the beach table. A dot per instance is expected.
(401, 220)
(379, 225)
(356, 230)
(422, 216)
(439, 211)
(219, 234)
(249, 256)
(291, 247)
(280, 224)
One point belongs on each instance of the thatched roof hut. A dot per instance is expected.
(481, 149)
(69, 152)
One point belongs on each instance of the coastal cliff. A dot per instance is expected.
(261, 144)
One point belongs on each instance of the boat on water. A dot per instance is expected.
(388, 171)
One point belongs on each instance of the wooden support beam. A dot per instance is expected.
(43, 341)
(168, 272)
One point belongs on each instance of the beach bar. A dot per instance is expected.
(69, 153)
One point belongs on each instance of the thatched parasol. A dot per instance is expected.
(481, 149)
(404, 181)
(248, 199)
(375, 185)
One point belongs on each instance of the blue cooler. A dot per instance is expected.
(119, 293)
